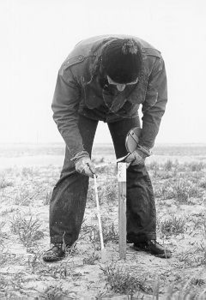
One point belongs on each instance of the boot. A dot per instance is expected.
(54, 254)
(154, 248)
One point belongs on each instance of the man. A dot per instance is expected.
(107, 78)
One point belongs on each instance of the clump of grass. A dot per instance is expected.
(195, 166)
(188, 290)
(109, 192)
(4, 183)
(193, 258)
(168, 165)
(29, 172)
(3, 260)
(62, 270)
(173, 226)
(90, 260)
(28, 230)
(164, 191)
(34, 260)
(202, 184)
(47, 198)
(153, 166)
(3, 287)
(25, 196)
(3, 235)
(183, 190)
(53, 293)
(199, 222)
(121, 281)
(110, 233)
(197, 281)
(7, 211)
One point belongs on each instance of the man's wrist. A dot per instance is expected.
(147, 152)
(80, 155)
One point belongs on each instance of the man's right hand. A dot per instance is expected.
(85, 166)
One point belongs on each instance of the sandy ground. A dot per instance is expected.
(26, 185)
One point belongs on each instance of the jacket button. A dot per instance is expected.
(80, 58)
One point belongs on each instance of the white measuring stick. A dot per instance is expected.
(98, 213)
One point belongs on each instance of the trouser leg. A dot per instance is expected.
(141, 212)
(69, 195)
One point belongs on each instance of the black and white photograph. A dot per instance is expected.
(103, 150)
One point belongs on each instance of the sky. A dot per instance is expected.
(37, 35)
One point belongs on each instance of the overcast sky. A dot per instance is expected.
(37, 35)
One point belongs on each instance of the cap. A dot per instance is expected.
(121, 60)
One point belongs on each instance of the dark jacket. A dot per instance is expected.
(82, 89)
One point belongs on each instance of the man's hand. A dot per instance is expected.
(136, 158)
(85, 166)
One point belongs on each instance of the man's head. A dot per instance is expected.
(121, 61)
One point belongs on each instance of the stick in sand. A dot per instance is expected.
(122, 167)
(103, 250)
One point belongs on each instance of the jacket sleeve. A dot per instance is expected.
(65, 110)
(154, 105)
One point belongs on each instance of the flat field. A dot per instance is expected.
(27, 176)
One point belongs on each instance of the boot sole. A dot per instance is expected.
(163, 255)
(47, 259)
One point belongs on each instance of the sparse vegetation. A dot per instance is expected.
(91, 259)
(173, 226)
(53, 292)
(28, 230)
(180, 190)
(5, 182)
(122, 281)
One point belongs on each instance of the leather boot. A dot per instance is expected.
(54, 254)
(154, 248)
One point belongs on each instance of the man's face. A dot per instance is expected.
(120, 86)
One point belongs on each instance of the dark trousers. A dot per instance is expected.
(68, 200)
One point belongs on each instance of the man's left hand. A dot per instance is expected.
(136, 158)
